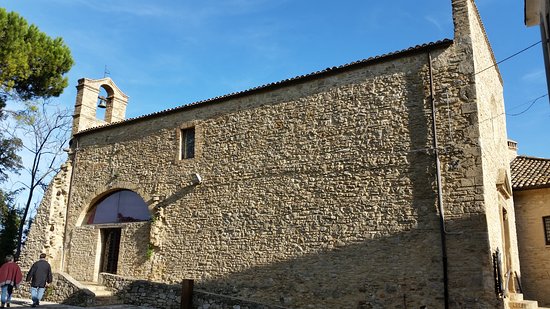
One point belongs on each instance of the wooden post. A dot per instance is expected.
(186, 293)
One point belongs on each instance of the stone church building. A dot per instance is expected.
(382, 183)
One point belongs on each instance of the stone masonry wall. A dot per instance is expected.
(137, 292)
(494, 146)
(531, 207)
(491, 127)
(47, 232)
(86, 239)
(143, 293)
(133, 259)
(318, 194)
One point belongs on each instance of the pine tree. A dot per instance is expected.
(9, 225)
(32, 65)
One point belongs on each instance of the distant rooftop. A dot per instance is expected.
(530, 173)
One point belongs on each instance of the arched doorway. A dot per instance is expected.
(109, 213)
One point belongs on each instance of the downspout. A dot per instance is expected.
(72, 153)
(442, 229)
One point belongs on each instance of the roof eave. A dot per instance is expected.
(533, 187)
(532, 12)
(284, 83)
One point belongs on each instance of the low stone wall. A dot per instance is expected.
(205, 300)
(141, 292)
(64, 289)
(161, 295)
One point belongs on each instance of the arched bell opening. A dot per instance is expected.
(98, 102)
(104, 100)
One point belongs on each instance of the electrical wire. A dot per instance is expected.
(529, 107)
(509, 57)
(531, 103)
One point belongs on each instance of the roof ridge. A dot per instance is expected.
(532, 158)
(281, 83)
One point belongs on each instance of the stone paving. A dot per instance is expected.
(18, 302)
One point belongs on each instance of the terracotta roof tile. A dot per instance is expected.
(530, 173)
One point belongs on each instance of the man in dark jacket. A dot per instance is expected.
(40, 275)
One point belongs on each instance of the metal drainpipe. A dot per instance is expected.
(73, 166)
(442, 229)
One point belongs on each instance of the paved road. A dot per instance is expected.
(18, 302)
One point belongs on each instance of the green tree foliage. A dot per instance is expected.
(9, 225)
(9, 160)
(32, 64)
(32, 67)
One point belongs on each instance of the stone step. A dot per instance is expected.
(98, 289)
(104, 296)
(107, 300)
(524, 304)
(515, 296)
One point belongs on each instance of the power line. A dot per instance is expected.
(509, 57)
(531, 103)
(529, 107)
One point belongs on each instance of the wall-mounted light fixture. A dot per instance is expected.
(197, 179)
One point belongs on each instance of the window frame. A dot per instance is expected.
(184, 143)
(546, 226)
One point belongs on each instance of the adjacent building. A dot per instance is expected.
(531, 185)
(537, 12)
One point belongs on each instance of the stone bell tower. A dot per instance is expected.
(88, 100)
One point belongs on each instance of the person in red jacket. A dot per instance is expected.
(10, 277)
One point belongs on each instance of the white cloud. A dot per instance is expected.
(536, 76)
(432, 20)
(126, 7)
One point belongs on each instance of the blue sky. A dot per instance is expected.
(169, 53)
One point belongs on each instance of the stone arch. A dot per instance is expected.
(110, 244)
(118, 206)
(105, 98)
(101, 193)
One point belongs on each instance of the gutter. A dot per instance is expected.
(440, 206)
(72, 153)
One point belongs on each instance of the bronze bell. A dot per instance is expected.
(102, 102)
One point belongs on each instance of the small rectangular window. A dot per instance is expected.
(187, 143)
(546, 222)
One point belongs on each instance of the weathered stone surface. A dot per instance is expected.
(50, 218)
(316, 193)
(162, 295)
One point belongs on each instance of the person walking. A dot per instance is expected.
(40, 275)
(10, 277)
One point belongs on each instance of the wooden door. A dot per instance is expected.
(110, 247)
